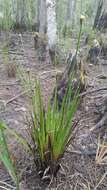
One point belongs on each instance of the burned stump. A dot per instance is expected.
(40, 44)
(70, 78)
(94, 52)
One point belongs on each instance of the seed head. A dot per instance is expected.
(82, 18)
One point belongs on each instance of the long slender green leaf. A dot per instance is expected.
(5, 156)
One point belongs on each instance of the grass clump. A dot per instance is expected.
(51, 129)
(9, 65)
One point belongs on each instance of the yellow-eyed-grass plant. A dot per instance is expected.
(51, 129)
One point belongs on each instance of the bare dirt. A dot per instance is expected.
(79, 169)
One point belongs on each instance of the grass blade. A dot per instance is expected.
(5, 156)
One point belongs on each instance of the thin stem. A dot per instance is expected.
(79, 37)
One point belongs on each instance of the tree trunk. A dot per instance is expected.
(51, 22)
(47, 27)
(101, 15)
(20, 15)
(42, 17)
(51, 29)
(40, 38)
(70, 16)
(37, 19)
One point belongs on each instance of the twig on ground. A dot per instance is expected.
(92, 91)
(10, 84)
(100, 182)
(15, 97)
(82, 152)
(16, 53)
(101, 123)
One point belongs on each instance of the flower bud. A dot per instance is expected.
(82, 18)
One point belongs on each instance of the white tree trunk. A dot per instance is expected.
(51, 23)
(48, 26)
